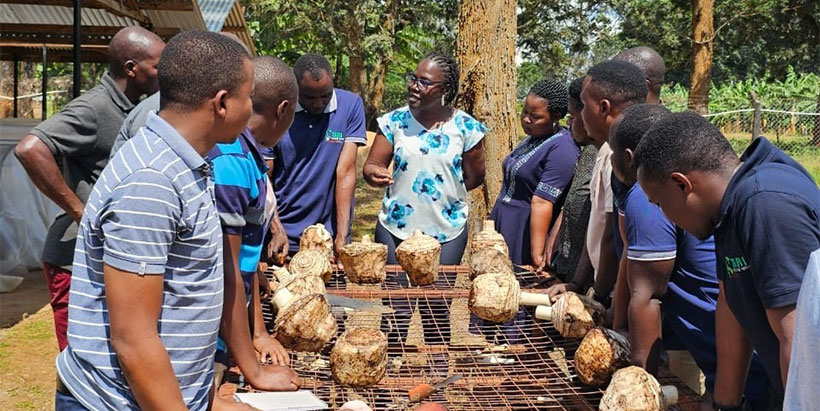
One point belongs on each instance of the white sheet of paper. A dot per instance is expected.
(274, 401)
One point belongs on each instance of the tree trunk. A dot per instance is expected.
(703, 36)
(485, 50)
(354, 31)
(375, 90)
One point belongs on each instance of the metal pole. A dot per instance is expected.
(16, 81)
(45, 82)
(78, 69)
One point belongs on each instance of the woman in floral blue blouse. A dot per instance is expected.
(438, 156)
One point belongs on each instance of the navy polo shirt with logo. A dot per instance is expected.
(304, 169)
(768, 227)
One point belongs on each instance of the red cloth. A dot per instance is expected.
(58, 281)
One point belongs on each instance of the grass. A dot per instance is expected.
(798, 147)
(27, 352)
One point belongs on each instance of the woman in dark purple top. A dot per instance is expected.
(536, 175)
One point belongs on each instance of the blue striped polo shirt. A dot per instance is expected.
(240, 185)
(151, 212)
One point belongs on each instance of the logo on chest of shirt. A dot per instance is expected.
(736, 265)
(334, 136)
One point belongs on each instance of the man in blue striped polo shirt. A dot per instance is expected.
(146, 300)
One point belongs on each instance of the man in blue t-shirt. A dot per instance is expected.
(764, 212)
(667, 265)
(245, 209)
(314, 170)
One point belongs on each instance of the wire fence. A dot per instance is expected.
(793, 127)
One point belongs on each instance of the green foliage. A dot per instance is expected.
(565, 38)
(289, 28)
(755, 38)
(796, 92)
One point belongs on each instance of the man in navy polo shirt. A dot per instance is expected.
(666, 264)
(314, 171)
(764, 212)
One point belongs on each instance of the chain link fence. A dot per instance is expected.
(794, 127)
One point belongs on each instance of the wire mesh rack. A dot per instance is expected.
(522, 365)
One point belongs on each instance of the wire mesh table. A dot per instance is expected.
(522, 365)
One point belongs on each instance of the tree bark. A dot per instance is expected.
(485, 50)
(375, 90)
(354, 31)
(703, 36)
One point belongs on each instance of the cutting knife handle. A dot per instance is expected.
(420, 392)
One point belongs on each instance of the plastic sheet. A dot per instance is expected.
(25, 215)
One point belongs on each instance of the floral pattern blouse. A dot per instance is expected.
(428, 191)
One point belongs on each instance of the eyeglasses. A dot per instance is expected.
(423, 83)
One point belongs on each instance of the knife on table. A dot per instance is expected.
(358, 305)
(422, 391)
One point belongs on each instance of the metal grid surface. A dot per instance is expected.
(526, 365)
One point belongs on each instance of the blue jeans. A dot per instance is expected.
(64, 402)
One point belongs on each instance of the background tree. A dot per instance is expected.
(565, 38)
(485, 50)
(703, 38)
(371, 43)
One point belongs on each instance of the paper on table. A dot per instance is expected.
(274, 401)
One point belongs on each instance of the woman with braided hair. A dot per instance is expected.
(438, 156)
(536, 175)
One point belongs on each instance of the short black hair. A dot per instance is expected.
(649, 61)
(274, 82)
(556, 95)
(620, 82)
(635, 122)
(575, 92)
(222, 69)
(314, 64)
(449, 67)
(682, 142)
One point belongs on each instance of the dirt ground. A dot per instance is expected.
(25, 300)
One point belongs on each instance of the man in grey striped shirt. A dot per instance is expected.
(146, 297)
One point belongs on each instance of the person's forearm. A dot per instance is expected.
(621, 298)
(149, 373)
(42, 168)
(552, 240)
(540, 216)
(584, 271)
(345, 186)
(258, 323)
(644, 331)
(734, 353)
(608, 262)
(234, 327)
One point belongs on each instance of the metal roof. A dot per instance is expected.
(214, 12)
(34, 23)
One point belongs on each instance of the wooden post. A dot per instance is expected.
(16, 82)
(757, 113)
(78, 68)
(44, 111)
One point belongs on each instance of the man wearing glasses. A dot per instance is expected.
(314, 169)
